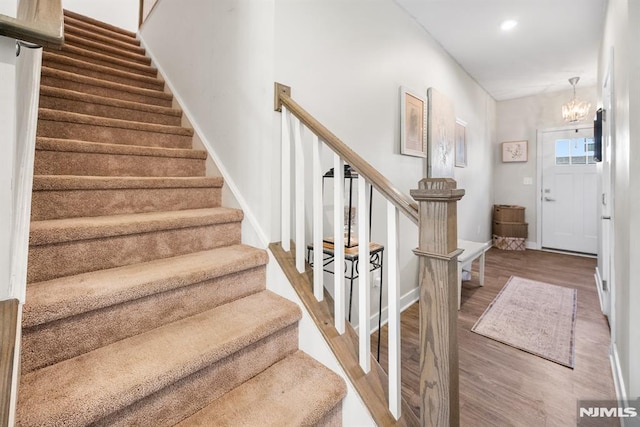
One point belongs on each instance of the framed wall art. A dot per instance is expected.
(440, 136)
(413, 137)
(514, 151)
(461, 143)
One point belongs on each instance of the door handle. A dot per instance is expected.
(549, 199)
(605, 217)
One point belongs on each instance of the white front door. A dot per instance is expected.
(605, 253)
(569, 191)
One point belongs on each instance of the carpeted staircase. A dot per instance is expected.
(143, 307)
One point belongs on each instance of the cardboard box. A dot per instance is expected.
(508, 213)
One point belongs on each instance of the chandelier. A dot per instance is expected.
(575, 110)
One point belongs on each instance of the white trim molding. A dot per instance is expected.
(618, 379)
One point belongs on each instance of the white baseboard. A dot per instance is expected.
(598, 279)
(618, 380)
(531, 245)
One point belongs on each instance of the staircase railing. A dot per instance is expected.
(436, 219)
(40, 22)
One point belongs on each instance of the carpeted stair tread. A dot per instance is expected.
(87, 27)
(70, 117)
(53, 98)
(73, 157)
(71, 182)
(61, 75)
(84, 228)
(70, 28)
(105, 49)
(143, 307)
(67, 296)
(66, 63)
(76, 146)
(96, 23)
(86, 127)
(88, 387)
(296, 391)
(106, 60)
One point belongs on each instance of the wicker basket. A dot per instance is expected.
(511, 229)
(508, 213)
(509, 243)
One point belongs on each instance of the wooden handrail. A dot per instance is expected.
(9, 322)
(41, 22)
(371, 174)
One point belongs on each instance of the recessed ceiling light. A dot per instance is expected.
(508, 25)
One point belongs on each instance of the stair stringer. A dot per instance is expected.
(310, 339)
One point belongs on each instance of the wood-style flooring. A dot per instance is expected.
(501, 385)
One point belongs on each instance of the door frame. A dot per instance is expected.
(539, 140)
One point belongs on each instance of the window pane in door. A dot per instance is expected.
(578, 151)
(563, 152)
(590, 151)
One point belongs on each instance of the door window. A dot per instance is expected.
(576, 151)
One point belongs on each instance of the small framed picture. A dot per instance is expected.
(461, 143)
(514, 151)
(413, 135)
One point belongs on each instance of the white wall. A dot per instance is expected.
(621, 33)
(121, 13)
(8, 137)
(345, 62)
(520, 119)
(219, 58)
(9, 7)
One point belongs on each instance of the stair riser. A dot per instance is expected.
(101, 164)
(59, 204)
(65, 259)
(108, 111)
(66, 338)
(99, 74)
(100, 38)
(206, 385)
(112, 135)
(106, 91)
(130, 67)
(103, 49)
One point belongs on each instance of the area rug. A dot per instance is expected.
(536, 317)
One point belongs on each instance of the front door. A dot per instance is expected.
(569, 191)
(605, 254)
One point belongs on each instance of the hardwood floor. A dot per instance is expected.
(501, 385)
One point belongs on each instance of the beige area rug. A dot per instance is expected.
(536, 317)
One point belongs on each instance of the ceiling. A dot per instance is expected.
(553, 41)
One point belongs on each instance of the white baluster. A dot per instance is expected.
(299, 194)
(364, 291)
(338, 243)
(318, 209)
(393, 286)
(285, 214)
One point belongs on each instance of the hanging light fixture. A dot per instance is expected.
(575, 110)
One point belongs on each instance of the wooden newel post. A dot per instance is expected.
(438, 252)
